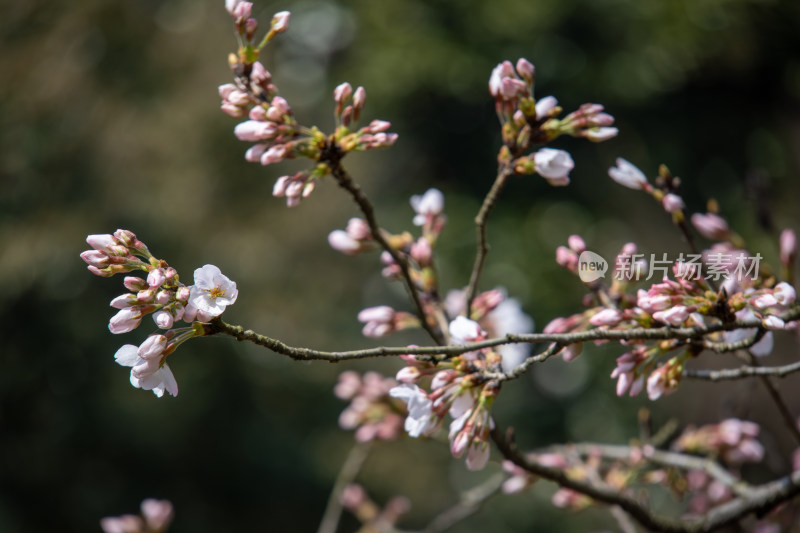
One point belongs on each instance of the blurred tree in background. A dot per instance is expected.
(109, 118)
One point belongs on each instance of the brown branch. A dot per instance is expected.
(658, 457)
(789, 420)
(346, 182)
(758, 500)
(217, 326)
(352, 465)
(743, 372)
(480, 229)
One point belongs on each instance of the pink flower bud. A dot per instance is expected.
(102, 243)
(123, 301)
(280, 21)
(95, 258)
(627, 175)
(152, 347)
(784, 293)
(788, 246)
(341, 241)
(358, 229)
(342, 93)
(576, 243)
(672, 203)
(253, 130)
(157, 513)
(421, 252)
(124, 321)
(134, 283)
(408, 374)
(359, 97)
(606, 317)
(599, 134)
(156, 278)
(163, 319)
(711, 226)
(525, 69)
(544, 106)
(674, 316)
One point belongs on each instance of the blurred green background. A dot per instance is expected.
(109, 119)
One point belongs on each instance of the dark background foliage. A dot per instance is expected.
(109, 118)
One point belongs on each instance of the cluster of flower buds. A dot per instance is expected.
(691, 299)
(271, 124)
(161, 294)
(458, 388)
(733, 441)
(382, 320)
(355, 499)
(527, 122)
(155, 517)
(371, 413)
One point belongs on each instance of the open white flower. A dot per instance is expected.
(212, 291)
(148, 374)
(419, 419)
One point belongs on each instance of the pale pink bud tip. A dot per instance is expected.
(342, 92)
(553, 165)
(280, 21)
(711, 226)
(788, 246)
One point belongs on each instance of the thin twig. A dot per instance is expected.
(790, 421)
(469, 503)
(480, 229)
(217, 326)
(658, 457)
(742, 372)
(760, 498)
(350, 469)
(347, 183)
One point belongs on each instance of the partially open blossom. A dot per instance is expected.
(711, 226)
(553, 165)
(382, 320)
(544, 106)
(606, 317)
(427, 206)
(420, 416)
(628, 175)
(148, 374)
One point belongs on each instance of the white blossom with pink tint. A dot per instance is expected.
(157, 514)
(420, 415)
(674, 316)
(672, 203)
(148, 374)
(427, 205)
(463, 331)
(212, 291)
(606, 317)
(711, 226)
(544, 106)
(125, 320)
(628, 175)
(553, 165)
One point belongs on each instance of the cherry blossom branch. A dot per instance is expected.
(658, 457)
(727, 374)
(481, 220)
(350, 469)
(217, 325)
(332, 157)
(760, 499)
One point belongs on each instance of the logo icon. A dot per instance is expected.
(591, 267)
